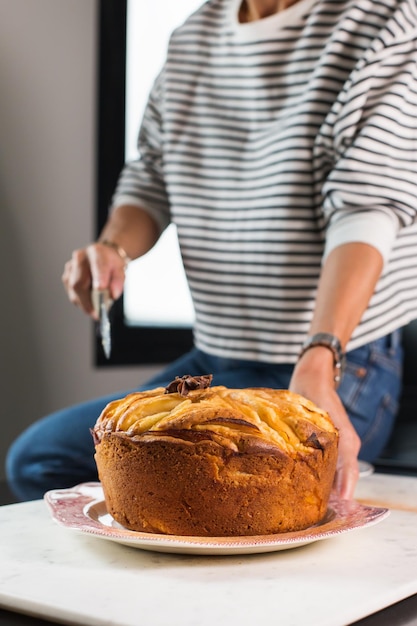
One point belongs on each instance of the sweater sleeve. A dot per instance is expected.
(141, 182)
(376, 228)
(370, 136)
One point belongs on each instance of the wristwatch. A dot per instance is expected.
(333, 344)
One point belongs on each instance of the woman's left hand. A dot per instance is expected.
(313, 378)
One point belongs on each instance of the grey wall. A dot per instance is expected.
(47, 126)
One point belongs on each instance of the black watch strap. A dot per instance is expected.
(332, 343)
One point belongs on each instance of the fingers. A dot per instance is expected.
(311, 384)
(107, 269)
(94, 267)
(347, 473)
(77, 281)
(345, 481)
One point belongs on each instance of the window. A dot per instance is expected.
(133, 36)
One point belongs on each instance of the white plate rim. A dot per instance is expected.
(365, 469)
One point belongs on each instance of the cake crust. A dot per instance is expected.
(216, 462)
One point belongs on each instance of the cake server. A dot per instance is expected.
(102, 304)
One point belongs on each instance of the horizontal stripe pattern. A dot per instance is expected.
(256, 136)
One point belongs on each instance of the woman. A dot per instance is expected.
(280, 139)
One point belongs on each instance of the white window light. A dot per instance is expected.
(156, 291)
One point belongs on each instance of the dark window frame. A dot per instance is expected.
(131, 345)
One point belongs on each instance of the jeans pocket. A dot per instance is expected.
(370, 391)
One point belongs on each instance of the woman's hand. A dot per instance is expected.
(98, 266)
(313, 378)
(347, 282)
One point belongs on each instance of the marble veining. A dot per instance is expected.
(55, 572)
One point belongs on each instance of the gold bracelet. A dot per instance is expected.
(120, 251)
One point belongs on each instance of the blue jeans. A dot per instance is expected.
(58, 452)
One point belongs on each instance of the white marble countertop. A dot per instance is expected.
(54, 572)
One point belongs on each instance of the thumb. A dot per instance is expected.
(116, 283)
(100, 267)
(347, 475)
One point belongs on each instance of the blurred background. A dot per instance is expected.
(48, 63)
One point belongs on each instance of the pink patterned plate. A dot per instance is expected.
(83, 508)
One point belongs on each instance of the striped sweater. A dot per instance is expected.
(270, 143)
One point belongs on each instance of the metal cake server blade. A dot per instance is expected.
(102, 304)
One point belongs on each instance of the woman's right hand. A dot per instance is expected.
(98, 266)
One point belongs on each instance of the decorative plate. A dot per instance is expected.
(83, 509)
